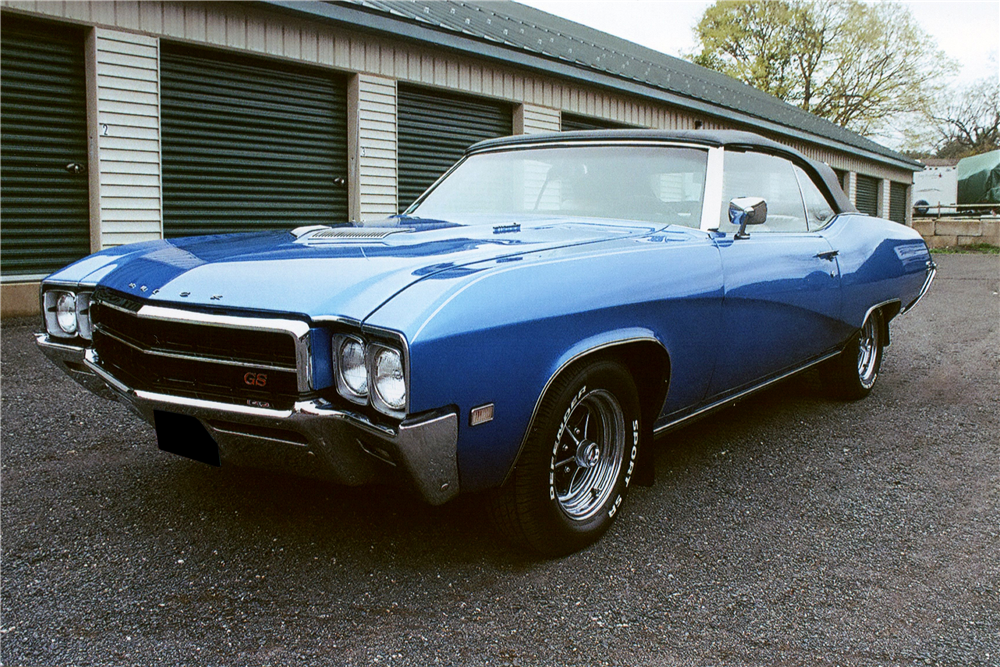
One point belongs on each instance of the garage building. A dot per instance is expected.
(135, 121)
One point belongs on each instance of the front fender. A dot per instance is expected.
(605, 343)
(600, 342)
(498, 333)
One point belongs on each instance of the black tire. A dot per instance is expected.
(578, 461)
(852, 374)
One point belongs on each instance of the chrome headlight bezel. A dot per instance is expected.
(79, 324)
(85, 326)
(375, 341)
(344, 387)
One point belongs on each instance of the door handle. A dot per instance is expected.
(829, 254)
(74, 168)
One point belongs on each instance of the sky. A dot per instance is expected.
(967, 31)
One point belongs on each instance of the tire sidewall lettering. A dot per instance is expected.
(633, 454)
(559, 433)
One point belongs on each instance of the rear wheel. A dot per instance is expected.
(851, 375)
(577, 463)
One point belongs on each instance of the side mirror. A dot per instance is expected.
(745, 211)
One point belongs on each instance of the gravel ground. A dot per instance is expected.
(790, 530)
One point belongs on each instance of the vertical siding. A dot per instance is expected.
(884, 191)
(377, 151)
(851, 189)
(538, 119)
(909, 205)
(128, 136)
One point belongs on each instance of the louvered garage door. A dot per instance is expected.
(249, 144)
(897, 202)
(841, 179)
(866, 197)
(44, 191)
(434, 129)
(571, 123)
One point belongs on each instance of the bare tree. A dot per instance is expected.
(969, 123)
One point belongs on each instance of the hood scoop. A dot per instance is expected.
(334, 234)
(360, 232)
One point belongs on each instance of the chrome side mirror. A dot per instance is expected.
(745, 211)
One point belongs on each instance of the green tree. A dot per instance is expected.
(749, 41)
(863, 66)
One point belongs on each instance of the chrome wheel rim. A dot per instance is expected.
(588, 455)
(868, 346)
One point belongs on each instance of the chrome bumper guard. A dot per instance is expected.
(313, 438)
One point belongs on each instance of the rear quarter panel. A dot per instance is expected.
(879, 261)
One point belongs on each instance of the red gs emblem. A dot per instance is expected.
(255, 379)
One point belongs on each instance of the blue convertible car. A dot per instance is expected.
(525, 328)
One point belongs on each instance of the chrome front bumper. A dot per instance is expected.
(313, 438)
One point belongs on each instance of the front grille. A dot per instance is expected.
(193, 359)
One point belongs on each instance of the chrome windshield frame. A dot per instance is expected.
(577, 143)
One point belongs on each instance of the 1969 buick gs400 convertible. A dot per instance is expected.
(525, 328)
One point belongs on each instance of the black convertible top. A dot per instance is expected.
(713, 138)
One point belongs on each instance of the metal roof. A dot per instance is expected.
(508, 31)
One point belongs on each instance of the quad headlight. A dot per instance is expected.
(370, 373)
(388, 381)
(352, 370)
(67, 314)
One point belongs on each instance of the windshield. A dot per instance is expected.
(660, 184)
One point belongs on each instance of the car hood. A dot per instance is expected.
(344, 271)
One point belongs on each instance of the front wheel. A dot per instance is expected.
(577, 463)
(852, 374)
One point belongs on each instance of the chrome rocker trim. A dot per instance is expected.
(322, 440)
(737, 397)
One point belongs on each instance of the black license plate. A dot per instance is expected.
(185, 436)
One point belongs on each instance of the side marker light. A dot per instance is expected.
(481, 414)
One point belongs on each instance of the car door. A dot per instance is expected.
(782, 284)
